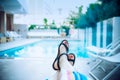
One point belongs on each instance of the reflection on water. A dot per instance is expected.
(44, 48)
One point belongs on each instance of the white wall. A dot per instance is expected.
(21, 29)
(89, 36)
(78, 34)
(81, 35)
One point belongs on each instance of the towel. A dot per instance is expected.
(69, 75)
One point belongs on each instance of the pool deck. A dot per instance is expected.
(32, 68)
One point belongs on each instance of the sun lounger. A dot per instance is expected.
(110, 50)
(111, 53)
(12, 35)
(114, 58)
(106, 68)
(2, 38)
(98, 51)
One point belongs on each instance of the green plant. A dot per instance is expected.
(33, 26)
(45, 23)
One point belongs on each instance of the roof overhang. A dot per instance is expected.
(13, 6)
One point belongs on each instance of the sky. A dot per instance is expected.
(57, 10)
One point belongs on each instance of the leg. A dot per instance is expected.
(65, 64)
(66, 69)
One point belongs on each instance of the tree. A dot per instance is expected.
(100, 11)
(74, 17)
(111, 8)
(94, 14)
(81, 22)
(45, 22)
(53, 25)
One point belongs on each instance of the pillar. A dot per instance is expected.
(116, 28)
(104, 33)
(109, 34)
(94, 35)
(89, 36)
(98, 34)
(9, 22)
(2, 22)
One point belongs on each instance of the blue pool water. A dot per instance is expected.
(44, 48)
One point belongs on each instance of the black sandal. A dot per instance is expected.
(70, 55)
(67, 49)
(56, 59)
(55, 62)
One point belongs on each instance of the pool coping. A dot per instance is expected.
(17, 43)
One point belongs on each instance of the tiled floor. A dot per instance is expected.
(32, 68)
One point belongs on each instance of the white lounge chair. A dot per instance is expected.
(110, 50)
(106, 68)
(13, 35)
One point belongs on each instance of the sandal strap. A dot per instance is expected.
(67, 49)
(57, 59)
(54, 64)
(73, 60)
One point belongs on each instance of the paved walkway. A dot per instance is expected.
(33, 68)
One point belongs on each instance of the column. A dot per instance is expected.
(109, 34)
(101, 34)
(116, 28)
(98, 34)
(104, 33)
(94, 36)
(89, 38)
(2, 22)
(9, 22)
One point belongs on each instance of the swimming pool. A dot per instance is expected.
(44, 48)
